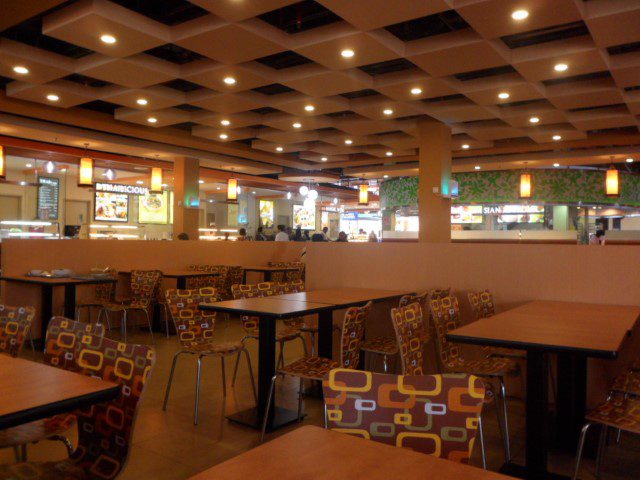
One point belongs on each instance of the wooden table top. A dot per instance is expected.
(311, 452)
(264, 268)
(60, 281)
(179, 273)
(593, 329)
(267, 307)
(30, 391)
(343, 297)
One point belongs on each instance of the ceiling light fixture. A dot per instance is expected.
(385, 176)
(29, 165)
(309, 108)
(389, 153)
(324, 159)
(387, 111)
(152, 120)
(52, 97)
(110, 174)
(347, 53)
(108, 39)
(416, 91)
(49, 167)
(279, 149)
(229, 80)
(477, 167)
(520, 15)
(629, 160)
(19, 69)
(465, 146)
(200, 182)
(297, 125)
(534, 120)
(503, 95)
(348, 141)
(225, 122)
(561, 67)
(223, 136)
(556, 165)
(139, 182)
(557, 137)
(288, 195)
(142, 101)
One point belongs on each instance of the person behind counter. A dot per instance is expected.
(282, 236)
(260, 236)
(297, 236)
(342, 237)
(598, 238)
(242, 235)
(182, 236)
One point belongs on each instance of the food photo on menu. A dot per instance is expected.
(111, 207)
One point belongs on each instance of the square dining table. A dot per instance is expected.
(573, 331)
(267, 271)
(181, 276)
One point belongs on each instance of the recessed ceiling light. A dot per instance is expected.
(253, 192)
(142, 101)
(534, 120)
(223, 136)
(347, 53)
(389, 153)
(29, 165)
(229, 80)
(165, 184)
(218, 187)
(108, 39)
(225, 122)
(477, 167)
(324, 159)
(210, 201)
(348, 141)
(387, 111)
(385, 176)
(297, 125)
(557, 137)
(629, 160)
(200, 182)
(465, 146)
(503, 95)
(309, 108)
(152, 119)
(23, 183)
(561, 67)
(52, 97)
(556, 165)
(63, 169)
(279, 149)
(21, 70)
(139, 182)
(520, 15)
(416, 91)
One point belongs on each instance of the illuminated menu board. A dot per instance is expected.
(152, 208)
(304, 217)
(111, 207)
(48, 195)
(266, 213)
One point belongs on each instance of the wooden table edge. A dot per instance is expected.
(213, 308)
(62, 281)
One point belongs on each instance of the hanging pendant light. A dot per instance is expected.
(232, 190)
(3, 164)
(110, 174)
(526, 185)
(85, 170)
(612, 182)
(49, 167)
(363, 195)
(156, 180)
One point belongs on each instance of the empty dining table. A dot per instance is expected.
(574, 331)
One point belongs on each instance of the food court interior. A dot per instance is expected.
(319, 239)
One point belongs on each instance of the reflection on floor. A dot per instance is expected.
(168, 446)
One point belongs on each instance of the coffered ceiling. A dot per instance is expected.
(332, 84)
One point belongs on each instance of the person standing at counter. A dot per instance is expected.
(598, 238)
(281, 236)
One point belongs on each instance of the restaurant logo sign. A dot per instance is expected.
(119, 188)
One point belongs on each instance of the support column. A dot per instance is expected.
(186, 197)
(434, 142)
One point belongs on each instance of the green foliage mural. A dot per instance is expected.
(549, 186)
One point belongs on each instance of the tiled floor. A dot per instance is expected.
(168, 446)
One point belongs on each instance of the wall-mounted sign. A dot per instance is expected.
(48, 194)
(152, 208)
(304, 217)
(119, 188)
(111, 207)
(266, 213)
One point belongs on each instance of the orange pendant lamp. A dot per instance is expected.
(612, 182)
(232, 190)
(3, 164)
(156, 180)
(363, 194)
(85, 170)
(526, 185)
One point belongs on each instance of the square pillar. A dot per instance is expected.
(186, 195)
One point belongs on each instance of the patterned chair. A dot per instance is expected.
(103, 293)
(251, 325)
(418, 412)
(445, 313)
(62, 342)
(214, 281)
(195, 333)
(104, 429)
(299, 323)
(410, 337)
(315, 368)
(144, 289)
(15, 326)
(290, 276)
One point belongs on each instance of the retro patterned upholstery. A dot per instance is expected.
(214, 281)
(445, 313)
(408, 325)
(618, 412)
(104, 429)
(103, 293)
(300, 323)
(291, 276)
(144, 287)
(432, 414)
(15, 324)
(627, 383)
(381, 345)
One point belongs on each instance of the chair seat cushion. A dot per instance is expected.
(381, 345)
(627, 383)
(302, 324)
(314, 368)
(619, 412)
(210, 348)
(485, 367)
(64, 470)
(119, 307)
(35, 431)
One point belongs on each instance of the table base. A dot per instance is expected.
(249, 418)
(520, 471)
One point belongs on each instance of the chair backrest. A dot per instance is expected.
(294, 286)
(482, 304)
(15, 323)
(445, 313)
(193, 325)
(438, 293)
(63, 340)
(421, 298)
(408, 325)
(233, 277)
(433, 414)
(353, 335)
(290, 276)
(145, 285)
(105, 429)
(257, 290)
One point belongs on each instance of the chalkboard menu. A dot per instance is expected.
(48, 193)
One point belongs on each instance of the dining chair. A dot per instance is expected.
(445, 313)
(290, 276)
(195, 330)
(217, 280)
(303, 324)
(62, 341)
(15, 327)
(434, 414)
(104, 429)
(103, 293)
(411, 337)
(315, 368)
(144, 287)
(251, 325)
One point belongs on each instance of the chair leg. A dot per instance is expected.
(253, 383)
(33, 346)
(300, 393)
(198, 374)
(583, 435)
(304, 347)
(326, 417)
(313, 343)
(385, 365)
(146, 312)
(123, 327)
(23, 452)
(266, 412)
(106, 316)
(65, 440)
(235, 370)
(280, 357)
(224, 377)
(481, 438)
(173, 369)
(166, 318)
(507, 446)
(602, 445)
